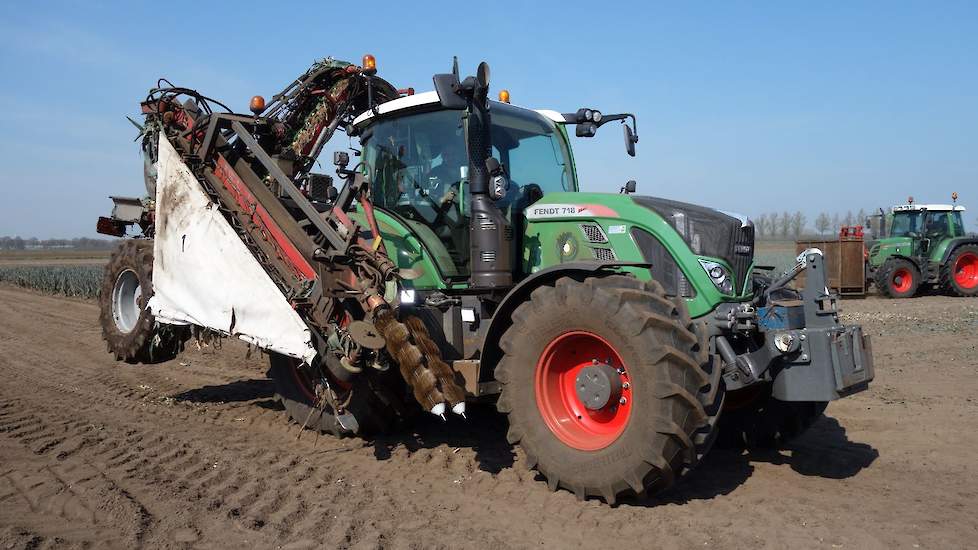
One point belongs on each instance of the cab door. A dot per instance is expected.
(934, 230)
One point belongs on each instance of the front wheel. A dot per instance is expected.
(608, 386)
(898, 278)
(959, 274)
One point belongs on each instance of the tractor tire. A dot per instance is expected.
(959, 274)
(662, 390)
(375, 399)
(128, 327)
(754, 419)
(898, 278)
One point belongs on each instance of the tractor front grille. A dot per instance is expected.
(742, 255)
(605, 254)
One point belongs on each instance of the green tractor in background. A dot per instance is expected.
(923, 244)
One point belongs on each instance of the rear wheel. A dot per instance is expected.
(898, 278)
(128, 327)
(608, 386)
(959, 275)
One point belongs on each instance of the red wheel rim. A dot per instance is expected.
(902, 280)
(556, 393)
(966, 270)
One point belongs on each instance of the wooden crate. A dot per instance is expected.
(845, 264)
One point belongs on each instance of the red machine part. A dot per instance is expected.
(557, 398)
(966, 270)
(285, 249)
(851, 233)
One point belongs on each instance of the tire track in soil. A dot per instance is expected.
(193, 454)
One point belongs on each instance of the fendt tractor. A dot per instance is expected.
(458, 261)
(921, 246)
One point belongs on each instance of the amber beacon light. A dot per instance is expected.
(369, 64)
(257, 104)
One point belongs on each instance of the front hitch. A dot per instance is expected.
(807, 353)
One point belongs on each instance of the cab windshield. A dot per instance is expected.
(906, 224)
(417, 169)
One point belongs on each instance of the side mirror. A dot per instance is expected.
(629, 188)
(482, 75)
(499, 182)
(630, 139)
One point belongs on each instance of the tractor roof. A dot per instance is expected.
(429, 98)
(929, 207)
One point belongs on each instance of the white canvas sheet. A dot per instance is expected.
(204, 275)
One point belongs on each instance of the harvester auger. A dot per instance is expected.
(619, 334)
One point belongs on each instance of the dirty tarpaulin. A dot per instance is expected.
(204, 275)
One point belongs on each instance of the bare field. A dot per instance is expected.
(54, 257)
(196, 453)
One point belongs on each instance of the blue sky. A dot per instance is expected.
(749, 107)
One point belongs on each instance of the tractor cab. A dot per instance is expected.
(417, 167)
(930, 221)
(916, 228)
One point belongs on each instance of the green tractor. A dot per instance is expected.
(615, 328)
(915, 245)
(620, 335)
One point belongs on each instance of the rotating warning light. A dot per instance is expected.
(369, 64)
(257, 104)
(504, 96)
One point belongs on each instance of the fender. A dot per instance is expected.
(955, 243)
(920, 267)
(502, 316)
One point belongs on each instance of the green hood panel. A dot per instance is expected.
(554, 235)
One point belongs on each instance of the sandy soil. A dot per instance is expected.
(195, 453)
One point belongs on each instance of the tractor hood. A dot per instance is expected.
(708, 232)
(704, 231)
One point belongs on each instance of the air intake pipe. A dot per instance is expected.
(490, 233)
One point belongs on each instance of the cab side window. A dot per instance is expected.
(957, 224)
(936, 224)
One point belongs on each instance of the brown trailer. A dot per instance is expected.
(845, 261)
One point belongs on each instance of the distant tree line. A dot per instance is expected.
(32, 243)
(787, 225)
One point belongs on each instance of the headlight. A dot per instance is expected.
(719, 275)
